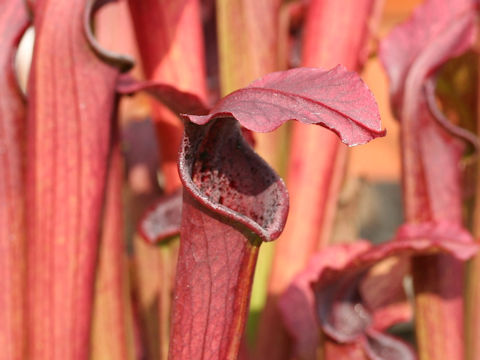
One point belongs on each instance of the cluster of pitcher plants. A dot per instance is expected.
(140, 146)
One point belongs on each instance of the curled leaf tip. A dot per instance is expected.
(336, 99)
(123, 62)
(223, 173)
